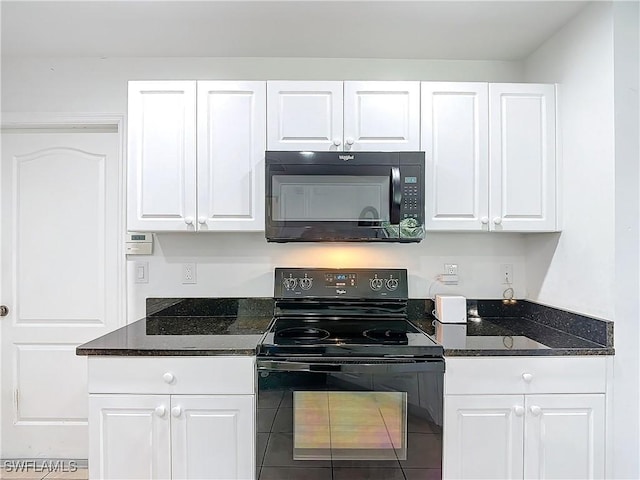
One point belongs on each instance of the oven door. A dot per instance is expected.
(365, 199)
(356, 418)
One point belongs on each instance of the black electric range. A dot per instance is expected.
(347, 386)
(344, 313)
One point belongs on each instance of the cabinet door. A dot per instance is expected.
(231, 145)
(382, 116)
(304, 116)
(213, 437)
(483, 437)
(455, 141)
(565, 436)
(522, 125)
(162, 156)
(129, 437)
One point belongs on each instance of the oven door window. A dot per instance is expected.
(330, 198)
(349, 425)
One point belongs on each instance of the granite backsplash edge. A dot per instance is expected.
(588, 328)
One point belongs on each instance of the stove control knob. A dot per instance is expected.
(290, 283)
(391, 284)
(376, 283)
(306, 283)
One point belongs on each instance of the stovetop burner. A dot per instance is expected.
(302, 334)
(386, 335)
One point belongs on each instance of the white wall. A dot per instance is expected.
(626, 428)
(575, 270)
(100, 85)
(593, 267)
(242, 264)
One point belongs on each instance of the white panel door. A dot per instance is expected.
(483, 437)
(565, 436)
(62, 278)
(455, 140)
(162, 156)
(522, 157)
(130, 437)
(382, 116)
(304, 116)
(213, 437)
(231, 145)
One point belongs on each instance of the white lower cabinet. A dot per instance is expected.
(136, 434)
(129, 436)
(505, 429)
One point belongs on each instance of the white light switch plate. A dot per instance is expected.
(141, 272)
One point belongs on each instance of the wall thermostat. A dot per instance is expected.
(139, 243)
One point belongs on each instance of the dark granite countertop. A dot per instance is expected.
(523, 328)
(234, 326)
(191, 326)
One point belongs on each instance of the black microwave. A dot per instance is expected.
(344, 196)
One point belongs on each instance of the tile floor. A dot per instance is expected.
(35, 474)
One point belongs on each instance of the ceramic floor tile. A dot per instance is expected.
(280, 453)
(265, 417)
(423, 474)
(368, 473)
(424, 451)
(26, 474)
(294, 473)
(79, 474)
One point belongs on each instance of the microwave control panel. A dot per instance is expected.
(411, 198)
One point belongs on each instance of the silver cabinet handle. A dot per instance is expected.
(4, 310)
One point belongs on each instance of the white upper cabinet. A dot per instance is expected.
(162, 156)
(491, 159)
(196, 156)
(522, 157)
(382, 116)
(343, 116)
(304, 116)
(231, 145)
(455, 141)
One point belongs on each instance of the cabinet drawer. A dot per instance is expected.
(172, 375)
(491, 375)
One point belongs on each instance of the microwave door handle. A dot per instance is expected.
(396, 197)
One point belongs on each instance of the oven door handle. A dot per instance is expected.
(392, 367)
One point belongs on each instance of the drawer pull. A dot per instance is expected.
(168, 377)
(535, 410)
(527, 377)
(518, 410)
(176, 411)
(161, 411)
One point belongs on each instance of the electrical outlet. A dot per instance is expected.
(450, 268)
(189, 273)
(506, 270)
